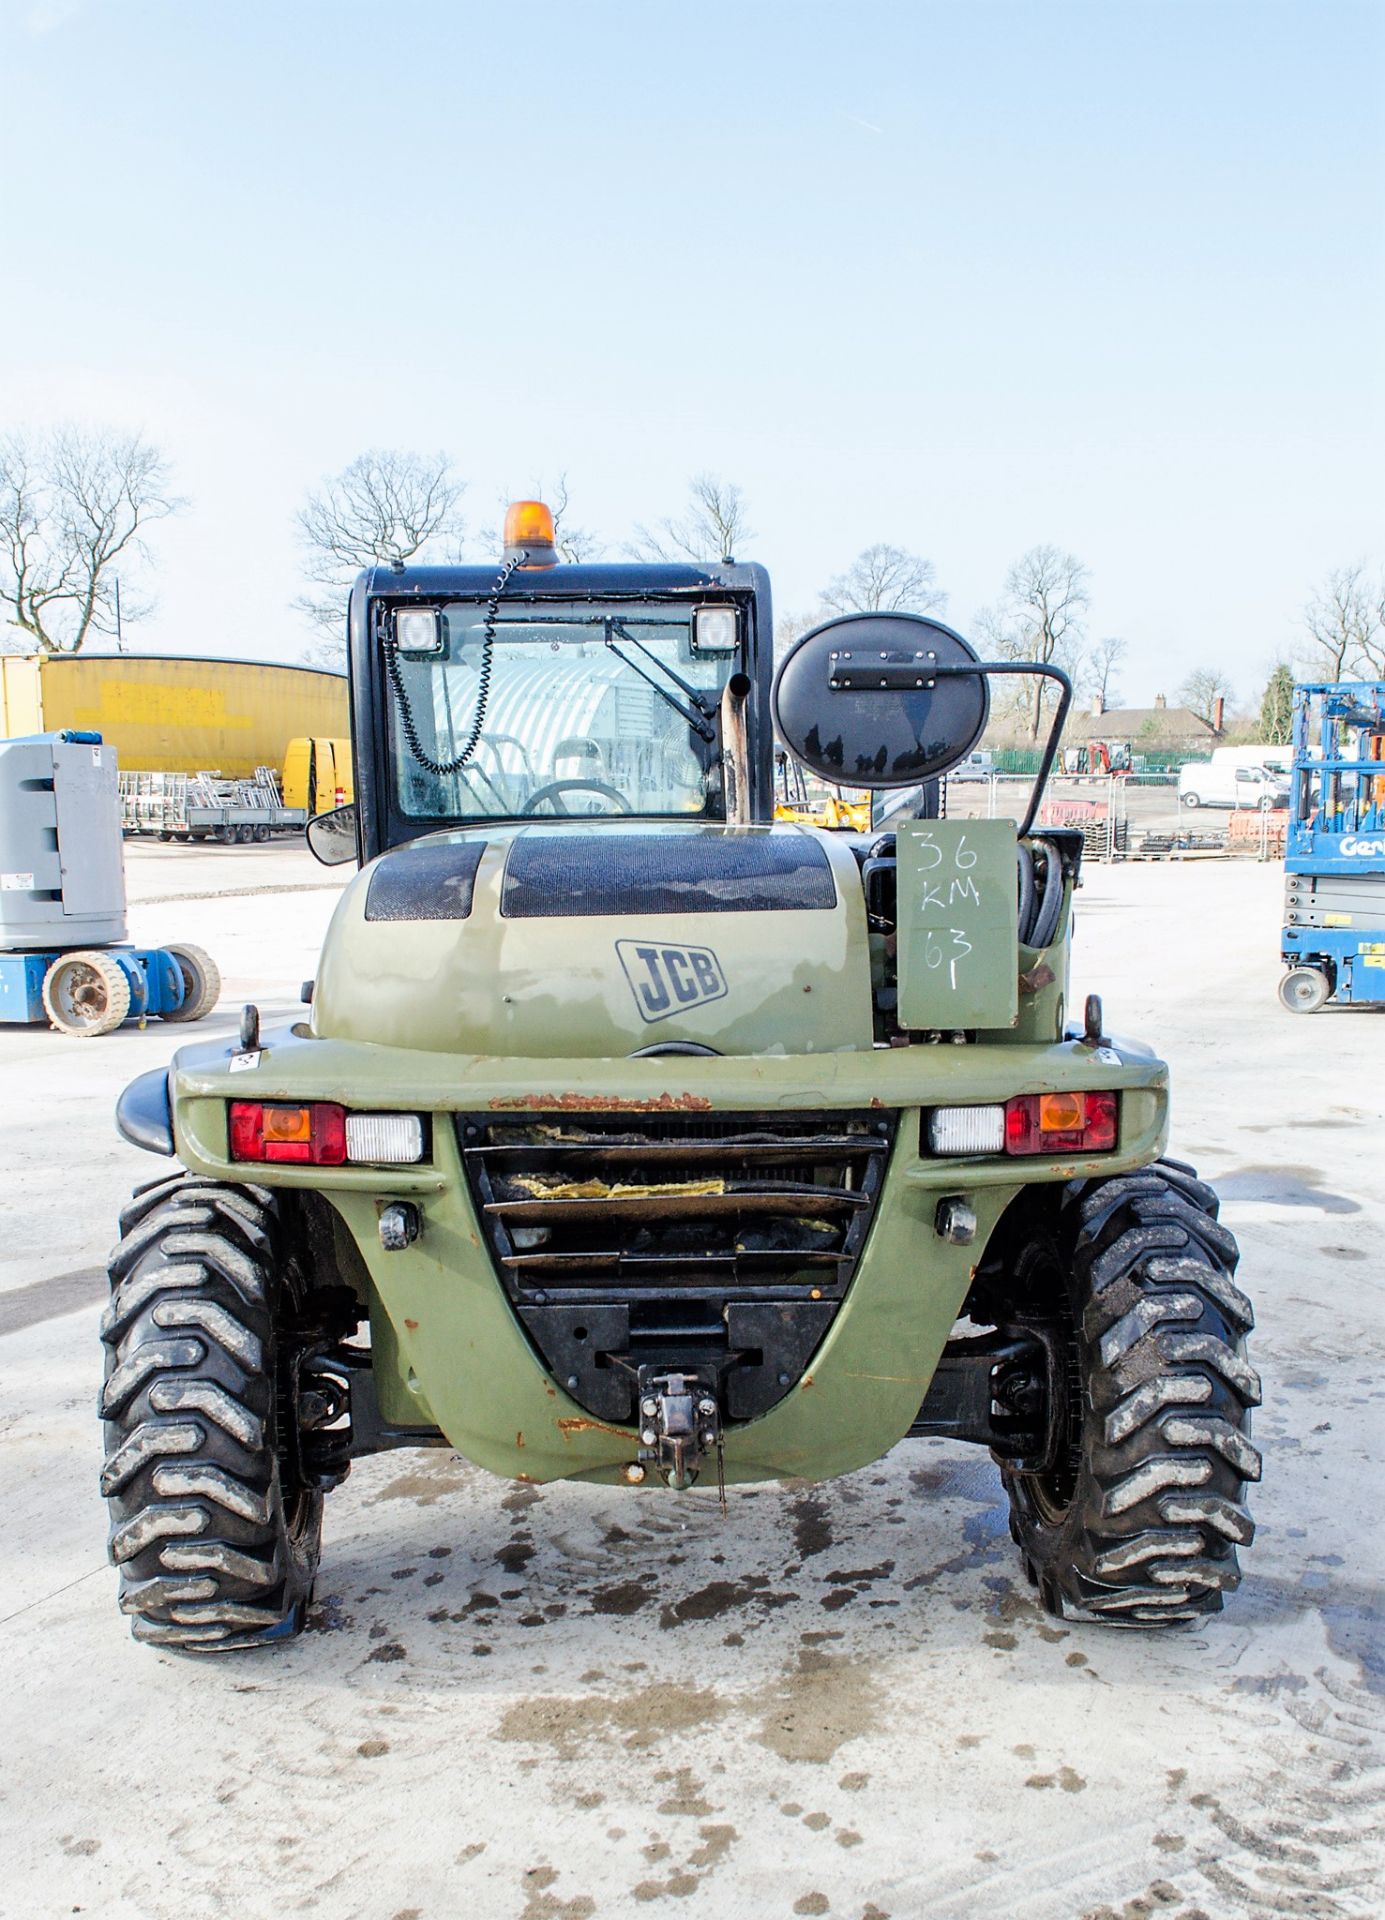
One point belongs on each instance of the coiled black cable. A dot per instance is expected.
(483, 684)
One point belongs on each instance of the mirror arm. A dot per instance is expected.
(1055, 732)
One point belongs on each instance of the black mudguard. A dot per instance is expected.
(144, 1113)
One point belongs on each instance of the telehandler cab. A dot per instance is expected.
(630, 1137)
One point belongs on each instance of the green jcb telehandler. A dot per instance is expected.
(632, 1138)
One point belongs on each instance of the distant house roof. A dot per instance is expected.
(1161, 726)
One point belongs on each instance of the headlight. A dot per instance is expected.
(390, 1137)
(966, 1130)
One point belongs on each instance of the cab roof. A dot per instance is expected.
(585, 580)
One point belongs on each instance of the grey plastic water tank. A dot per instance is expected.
(62, 867)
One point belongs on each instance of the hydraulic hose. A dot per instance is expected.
(1051, 899)
(1028, 896)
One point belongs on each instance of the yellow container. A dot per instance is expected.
(167, 714)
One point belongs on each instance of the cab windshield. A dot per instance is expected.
(589, 710)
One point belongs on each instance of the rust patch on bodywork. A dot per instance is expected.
(598, 1103)
(412, 1325)
(568, 1427)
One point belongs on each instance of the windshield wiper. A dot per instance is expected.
(698, 716)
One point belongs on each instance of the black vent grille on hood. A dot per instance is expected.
(552, 875)
(425, 883)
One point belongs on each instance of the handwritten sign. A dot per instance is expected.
(958, 924)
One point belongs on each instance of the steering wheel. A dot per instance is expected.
(556, 788)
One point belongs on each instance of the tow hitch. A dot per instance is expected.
(680, 1425)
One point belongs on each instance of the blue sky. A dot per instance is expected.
(964, 277)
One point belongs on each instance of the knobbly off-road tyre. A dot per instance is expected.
(1139, 1523)
(214, 1550)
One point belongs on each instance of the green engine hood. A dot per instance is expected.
(597, 939)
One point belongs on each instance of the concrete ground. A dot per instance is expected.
(561, 1703)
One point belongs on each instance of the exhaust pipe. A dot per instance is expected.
(735, 750)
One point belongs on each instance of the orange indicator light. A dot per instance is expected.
(1061, 1112)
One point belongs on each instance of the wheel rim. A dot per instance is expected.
(300, 1497)
(1050, 1493)
(192, 979)
(1304, 990)
(80, 994)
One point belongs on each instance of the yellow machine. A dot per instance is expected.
(166, 714)
(814, 803)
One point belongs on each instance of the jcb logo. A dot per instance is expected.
(667, 980)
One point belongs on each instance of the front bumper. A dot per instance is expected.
(448, 1348)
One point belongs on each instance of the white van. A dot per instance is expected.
(1273, 759)
(1204, 783)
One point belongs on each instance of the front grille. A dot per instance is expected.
(725, 1244)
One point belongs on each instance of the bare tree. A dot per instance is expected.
(1346, 621)
(789, 629)
(990, 633)
(713, 527)
(74, 505)
(1103, 664)
(1373, 644)
(386, 506)
(885, 579)
(574, 543)
(1201, 691)
(1040, 619)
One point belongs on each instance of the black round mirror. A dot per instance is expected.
(880, 700)
(332, 836)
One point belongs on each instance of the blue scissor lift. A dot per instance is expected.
(1333, 942)
(64, 957)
